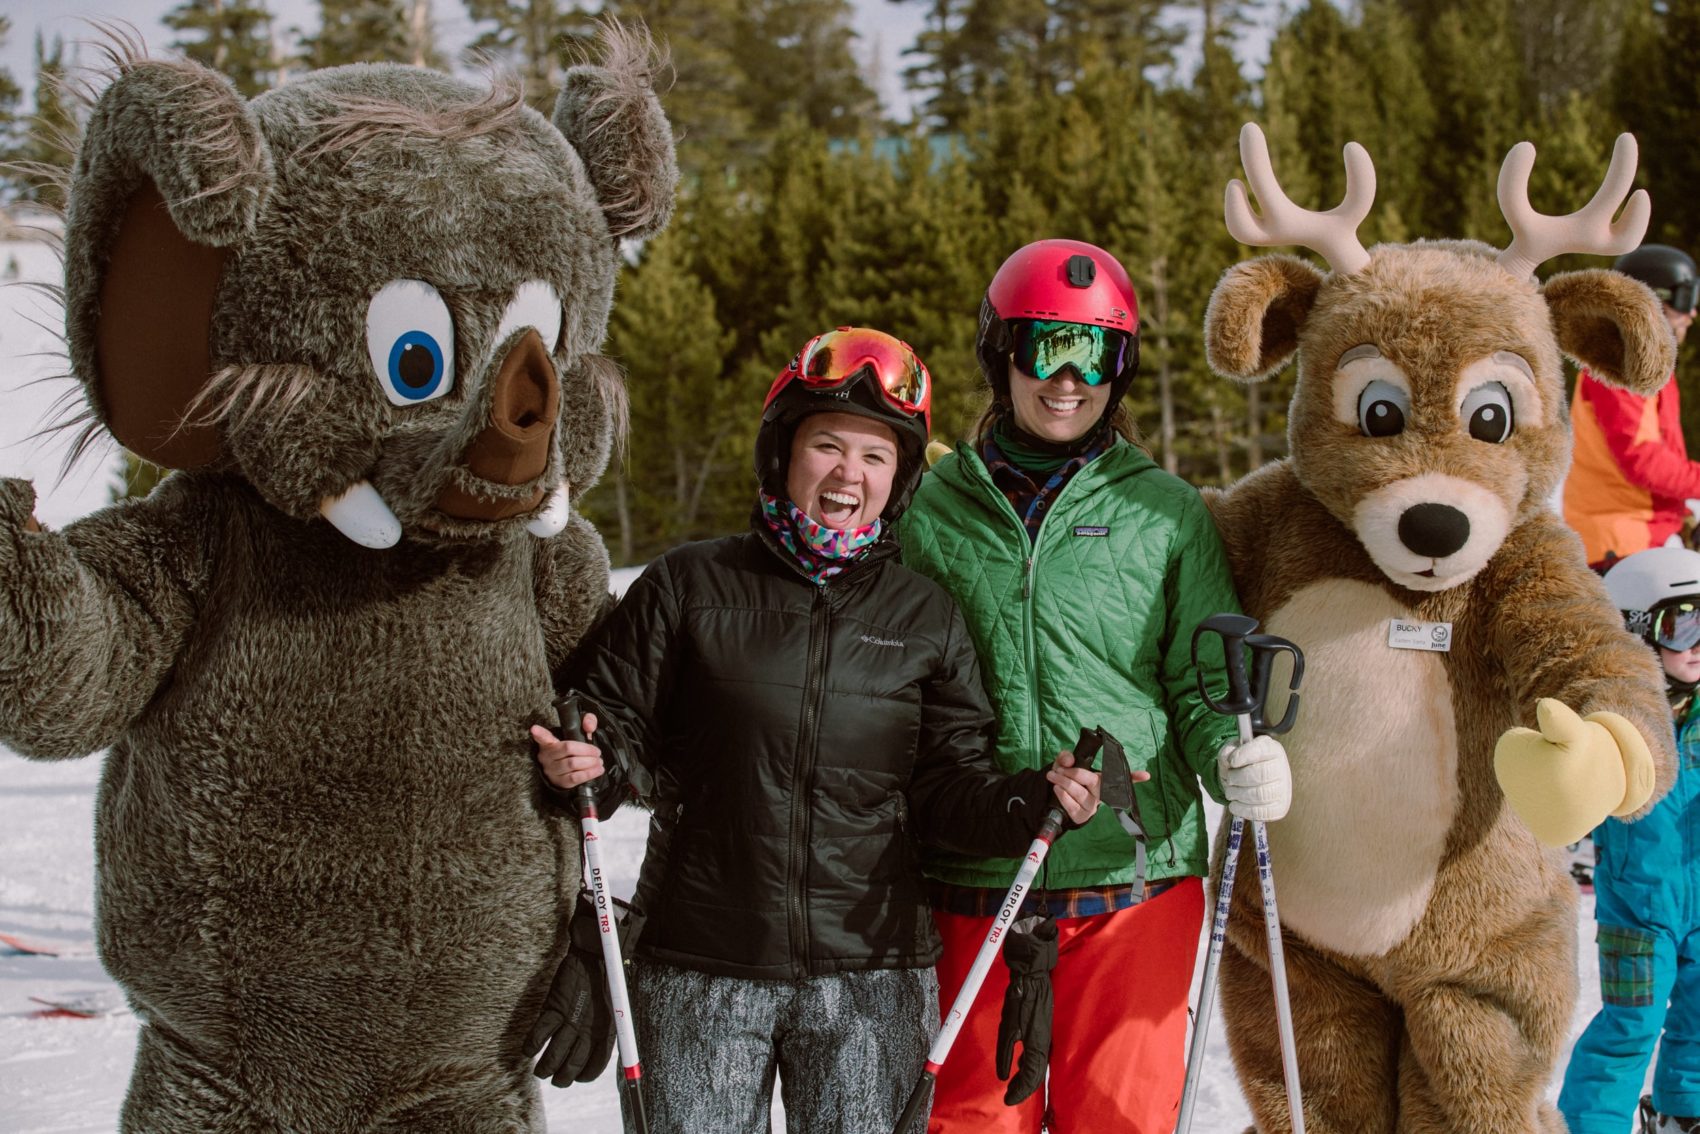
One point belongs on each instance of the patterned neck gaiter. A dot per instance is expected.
(822, 552)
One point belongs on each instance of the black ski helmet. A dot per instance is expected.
(850, 370)
(1668, 271)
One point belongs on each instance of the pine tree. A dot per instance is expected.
(43, 165)
(361, 31)
(1654, 93)
(230, 36)
(11, 94)
(1476, 80)
(685, 411)
(743, 67)
(970, 49)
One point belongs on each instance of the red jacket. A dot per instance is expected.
(1630, 474)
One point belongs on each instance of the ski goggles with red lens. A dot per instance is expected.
(1676, 626)
(841, 356)
(1044, 348)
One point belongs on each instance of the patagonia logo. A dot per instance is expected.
(1091, 530)
(873, 641)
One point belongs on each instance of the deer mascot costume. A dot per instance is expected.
(360, 314)
(1408, 547)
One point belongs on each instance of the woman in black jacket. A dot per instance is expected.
(813, 711)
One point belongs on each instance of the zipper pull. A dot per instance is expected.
(1027, 580)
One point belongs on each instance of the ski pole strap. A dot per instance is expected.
(1105, 754)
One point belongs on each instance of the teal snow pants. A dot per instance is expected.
(1647, 904)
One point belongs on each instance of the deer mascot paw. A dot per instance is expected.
(1563, 779)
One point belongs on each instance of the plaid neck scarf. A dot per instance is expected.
(820, 551)
(1029, 492)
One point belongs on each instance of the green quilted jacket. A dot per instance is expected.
(1089, 625)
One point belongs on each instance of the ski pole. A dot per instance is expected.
(631, 1070)
(1049, 831)
(1246, 702)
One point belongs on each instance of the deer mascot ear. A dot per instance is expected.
(1614, 326)
(1251, 327)
(170, 176)
(612, 118)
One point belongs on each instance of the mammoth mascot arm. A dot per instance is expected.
(94, 617)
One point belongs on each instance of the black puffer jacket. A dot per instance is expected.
(812, 736)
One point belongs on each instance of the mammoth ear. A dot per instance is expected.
(1614, 326)
(612, 118)
(171, 173)
(1252, 324)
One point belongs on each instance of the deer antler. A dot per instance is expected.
(1537, 237)
(1333, 235)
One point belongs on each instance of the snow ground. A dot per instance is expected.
(63, 1076)
(68, 1076)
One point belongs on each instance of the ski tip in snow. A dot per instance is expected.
(79, 1006)
(11, 943)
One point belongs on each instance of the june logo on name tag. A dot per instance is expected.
(1408, 634)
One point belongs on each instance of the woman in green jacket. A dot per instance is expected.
(1082, 570)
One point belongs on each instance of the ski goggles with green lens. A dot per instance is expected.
(1044, 348)
(1676, 626)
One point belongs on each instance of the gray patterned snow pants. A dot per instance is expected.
(847, 1047)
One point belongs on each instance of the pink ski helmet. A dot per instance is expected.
(1067, 281)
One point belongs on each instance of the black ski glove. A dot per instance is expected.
(577, 1022)
(1030, 953)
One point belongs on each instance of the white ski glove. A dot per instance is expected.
(1256, 779)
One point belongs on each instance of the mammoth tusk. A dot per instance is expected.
(362, 516)
(556, 511)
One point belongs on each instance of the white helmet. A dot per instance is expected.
(1658, 591)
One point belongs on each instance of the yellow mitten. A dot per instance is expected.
(1640, 773)
(936, 451)
(1566, 778)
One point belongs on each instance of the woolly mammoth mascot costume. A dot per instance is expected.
(1470, 692)
(359, 314)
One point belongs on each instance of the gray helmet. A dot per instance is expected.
(1648, 587)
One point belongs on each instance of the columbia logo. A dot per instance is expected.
(873, 641)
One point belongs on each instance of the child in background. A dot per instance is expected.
(1647, 892)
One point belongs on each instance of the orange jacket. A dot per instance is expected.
(1630, 474)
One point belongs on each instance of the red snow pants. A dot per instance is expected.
(1118, 1032)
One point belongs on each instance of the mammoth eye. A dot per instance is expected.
(1487, 413)
(535, 305)
(410, 339)
(1382, 409)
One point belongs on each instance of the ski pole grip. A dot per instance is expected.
(1233, 629)
(572, 728)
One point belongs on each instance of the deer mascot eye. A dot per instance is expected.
(410, 338)
(1487, 413)
(1382, 409)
